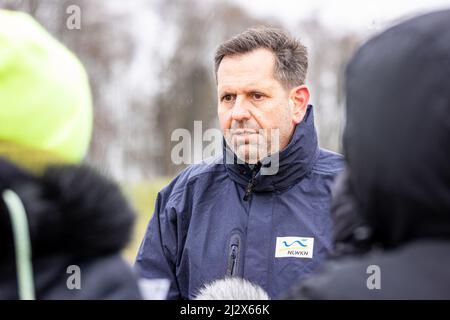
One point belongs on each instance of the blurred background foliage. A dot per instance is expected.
(150, 64)
(142, 195)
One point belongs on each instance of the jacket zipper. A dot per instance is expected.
(251, 183)
(233, 258)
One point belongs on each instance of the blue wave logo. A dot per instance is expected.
(296, 241)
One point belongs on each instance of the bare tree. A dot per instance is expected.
(148, 82)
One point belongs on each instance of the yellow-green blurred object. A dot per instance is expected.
(34, 160)
(142, 195)
(45, 99)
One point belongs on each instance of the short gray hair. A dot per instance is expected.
(291, 57)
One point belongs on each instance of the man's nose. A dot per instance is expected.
(239, 111)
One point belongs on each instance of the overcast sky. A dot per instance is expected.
(344, 15)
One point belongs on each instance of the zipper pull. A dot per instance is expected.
(248, 190)
(251, 183)
(233, 257)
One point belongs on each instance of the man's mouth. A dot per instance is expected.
(244, 136)
(242, 131)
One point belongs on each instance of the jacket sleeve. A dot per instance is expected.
(157, 255)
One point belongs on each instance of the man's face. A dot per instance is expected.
(253, 108)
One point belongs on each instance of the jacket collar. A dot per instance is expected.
(295, 161)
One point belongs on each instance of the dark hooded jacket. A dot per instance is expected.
(75, 217)
(221, 219)
(392, 211)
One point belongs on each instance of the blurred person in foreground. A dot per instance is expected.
(57, 218)
(393, 203)
(261, 210)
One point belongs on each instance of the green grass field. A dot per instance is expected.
(142, 196)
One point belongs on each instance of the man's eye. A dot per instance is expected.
(227, 98)
(257, 96)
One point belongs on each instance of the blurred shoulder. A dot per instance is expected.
(355, 277)
(328, 162)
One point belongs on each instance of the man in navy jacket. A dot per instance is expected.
(261, 211)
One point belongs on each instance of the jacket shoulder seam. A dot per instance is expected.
(188, 181)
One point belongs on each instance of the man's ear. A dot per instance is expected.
(300, 99)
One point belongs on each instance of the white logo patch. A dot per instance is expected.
(296, 247)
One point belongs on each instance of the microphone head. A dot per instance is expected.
(232, 288)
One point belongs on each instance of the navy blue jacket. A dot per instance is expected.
(203, 229)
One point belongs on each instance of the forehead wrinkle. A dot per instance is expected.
(237, 84)
(253, 87)
(254, 69)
